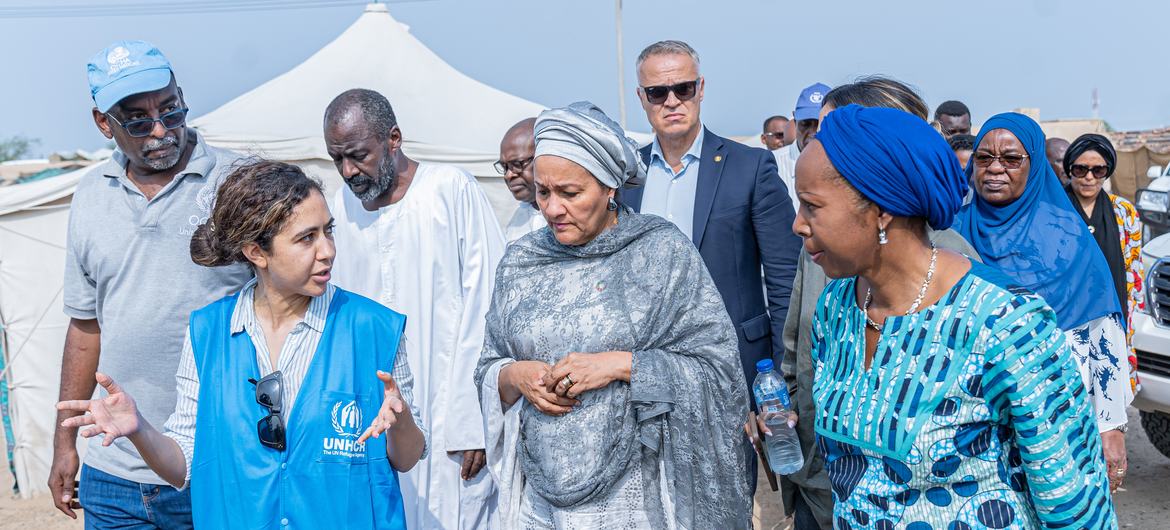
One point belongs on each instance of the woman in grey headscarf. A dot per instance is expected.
(610, 378)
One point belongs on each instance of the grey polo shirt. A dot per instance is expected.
(128, 264)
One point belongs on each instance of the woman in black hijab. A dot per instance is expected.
(1113, 221)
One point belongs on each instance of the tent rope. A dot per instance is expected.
(28, 337)
(26, 236)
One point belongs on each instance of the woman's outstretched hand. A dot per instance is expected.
(114, 416)
(392, 406)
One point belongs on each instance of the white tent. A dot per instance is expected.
(445, 116)
(33, 220)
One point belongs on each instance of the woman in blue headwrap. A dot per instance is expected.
(1022, 222)
(945, 394)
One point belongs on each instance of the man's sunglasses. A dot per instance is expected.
(515, 166)
(1081, 170)
(269, 390)
(683, 91)
(140, 128)
(1009, 161)
(776, 135)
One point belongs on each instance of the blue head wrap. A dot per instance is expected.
(896, 161)
(1039, 239)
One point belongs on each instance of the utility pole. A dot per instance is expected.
(621, 77)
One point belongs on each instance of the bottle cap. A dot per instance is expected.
(765, 365)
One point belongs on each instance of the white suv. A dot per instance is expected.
(1151, 339)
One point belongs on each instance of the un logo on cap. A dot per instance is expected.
(816, 97)
(118, 54)
(347, 419)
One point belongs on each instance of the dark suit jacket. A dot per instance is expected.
(743, 221)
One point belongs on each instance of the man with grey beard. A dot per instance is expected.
(130, 284)
(421, 239)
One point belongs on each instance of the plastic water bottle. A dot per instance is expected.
(783, 446)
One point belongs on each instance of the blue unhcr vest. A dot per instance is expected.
(323, 478)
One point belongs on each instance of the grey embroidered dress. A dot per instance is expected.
(662, 451)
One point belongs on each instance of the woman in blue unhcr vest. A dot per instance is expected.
(284, 388)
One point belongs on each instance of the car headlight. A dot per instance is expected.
(1157, 201)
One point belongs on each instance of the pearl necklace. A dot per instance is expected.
(917, 301)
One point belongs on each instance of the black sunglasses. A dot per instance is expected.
(140, 128)
(778, 135)
(269, 390)
(515, 166)
(1009, 161)
(683, 91)
(1081, 170)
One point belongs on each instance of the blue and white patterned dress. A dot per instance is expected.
(972, 415)
(1101, 349)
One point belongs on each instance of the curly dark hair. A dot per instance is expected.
(252, 205)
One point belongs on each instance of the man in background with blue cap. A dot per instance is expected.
(806, 116)
(130, 283)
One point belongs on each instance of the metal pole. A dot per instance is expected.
(621, 70)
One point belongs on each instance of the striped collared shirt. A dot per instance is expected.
(295, 357)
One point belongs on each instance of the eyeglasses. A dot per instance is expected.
(515, 166)
(143, 127)
(270, 429)
(658, 94)
(1081, 171)
(776, 135)
(1009, 161)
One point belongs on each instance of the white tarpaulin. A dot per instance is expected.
(445, 116)
(33, 220)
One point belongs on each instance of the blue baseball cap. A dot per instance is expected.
(126, 68)
(808, 105)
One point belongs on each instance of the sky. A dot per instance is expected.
(994, 55)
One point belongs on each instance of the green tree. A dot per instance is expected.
(16, 147)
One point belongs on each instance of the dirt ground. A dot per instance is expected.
(1141, 505)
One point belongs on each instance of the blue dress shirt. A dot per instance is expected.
(670, 194)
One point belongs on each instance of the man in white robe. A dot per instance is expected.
(517, 151)
(422, 240)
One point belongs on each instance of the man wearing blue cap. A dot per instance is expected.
(723, 195)
(806, 116)
(130, 283)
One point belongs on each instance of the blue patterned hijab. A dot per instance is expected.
(1040, 240)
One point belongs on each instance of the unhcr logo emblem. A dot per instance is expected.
(347, 419)
(347, 423)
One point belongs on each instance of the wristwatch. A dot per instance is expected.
(1123, 428)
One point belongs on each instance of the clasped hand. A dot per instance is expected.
(554, 389)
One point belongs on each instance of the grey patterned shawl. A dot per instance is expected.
(640, 286)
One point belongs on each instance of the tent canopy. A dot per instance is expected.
(445, 116)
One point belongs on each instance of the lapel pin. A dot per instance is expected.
(718, 158)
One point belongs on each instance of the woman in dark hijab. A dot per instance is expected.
(1114, 223)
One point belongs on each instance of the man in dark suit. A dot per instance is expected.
(726, 196)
